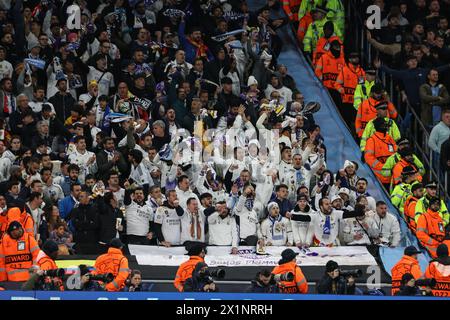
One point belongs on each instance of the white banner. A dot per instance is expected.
(220, 256)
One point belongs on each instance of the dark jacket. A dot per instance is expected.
(85, 219)
(428, 101)
(258, 287)
(327, 285)
(196, 283)
(107, 219)
(105, 166)
(63, 105)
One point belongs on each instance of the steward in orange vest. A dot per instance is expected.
(407, 264)
(409, 208)
(288, 264)
(47, 256)
(407, 160)
(291, 8)
(379, 147)
(439, 269)
(431, 227)
(113, 262)
(18, 253)
(349, 77)
(197, 253)
(16, 214)
(329, 65)
(323, 44)
(368, 109)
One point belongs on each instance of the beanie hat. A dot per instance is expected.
(116, 243)
(14, 225)
(251, 81)
(407, 277)
(271, 205)
(331, 266)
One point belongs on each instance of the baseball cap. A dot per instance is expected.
(409, 251)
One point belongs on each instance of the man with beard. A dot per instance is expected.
(303, 231)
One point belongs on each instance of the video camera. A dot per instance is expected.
(431, 282)
(355, 273)
(288, 276)
(209, 275)
(106, 278)
(54, 273)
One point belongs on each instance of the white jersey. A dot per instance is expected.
(326, 227)
(36, 106)
(248, 219)
(362, 228)
(189, 225)
(277, 231)
(222, 231)
(6, 69)
(183, 196)
(81, 160)
(54, 192)
(141, 175)
(170, 224)
(388, 228)
(106, 81)
(138, 218)
(303, 231)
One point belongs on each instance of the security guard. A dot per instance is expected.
(323, 44)
(329, 65)
(291, 8)
(403, 189)
(18, 252)
(423, 203)
(288, 264)
(16, 214)
(315, 29)
(346, 82)
(369, 130)
(362, 90)
(407, 160)
(47, 256)
(368, 109)
(378, 148)
(305, 17)
(407, 264)
(410, 205)
(439, 269)
(336, 14)
(113, 262)
(197, 253)
(431, 227)
(392, 160)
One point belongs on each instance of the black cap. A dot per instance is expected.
(287, 256)
(14, 225)
(431, 185)
(50, 246)
(194, 248)
(116, 243)
(442, 250)
(434, 200)
(138, 75)
(405, 152)
(381, 105)
(331, 266)
(408, 170)
(402, 141)
(409, 251)
(407, 277)
(226, 80)
(377, 88)
(372, 72)
(353, 55)
(416, 186)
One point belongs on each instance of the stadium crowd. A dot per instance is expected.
(164, 122)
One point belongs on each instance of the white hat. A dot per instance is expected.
(255, 142)
(345, 191)
(251, 81)
(271, 205)
(348, 163)
(336, 198)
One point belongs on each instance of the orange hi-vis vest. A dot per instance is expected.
(367, 112)
(303, 25)
(184, 272)
(298, 285)
(328, 68)
(379, 147)
(116, 263)
(441, 273)
(323, 46)
(410, 212)
(430, 231)
(291, 7)
(14, 214)
(45, 262)
(397, 171)
(406, 264)
(17, 256)
(347, 80)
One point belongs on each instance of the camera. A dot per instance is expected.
(355, 273)
(209, 275)
(288, 276)
(54, 273)
(426, 282)
(106, 278)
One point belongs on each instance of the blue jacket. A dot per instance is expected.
(65, 205)
(189, 48)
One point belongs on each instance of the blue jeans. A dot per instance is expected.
(436, 112)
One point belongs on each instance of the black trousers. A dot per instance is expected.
(142, 240)
(348, 112)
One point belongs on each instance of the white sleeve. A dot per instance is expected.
(290, 235)
(395, 230)
(261, 119)
(234, 233)
(239, 206)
